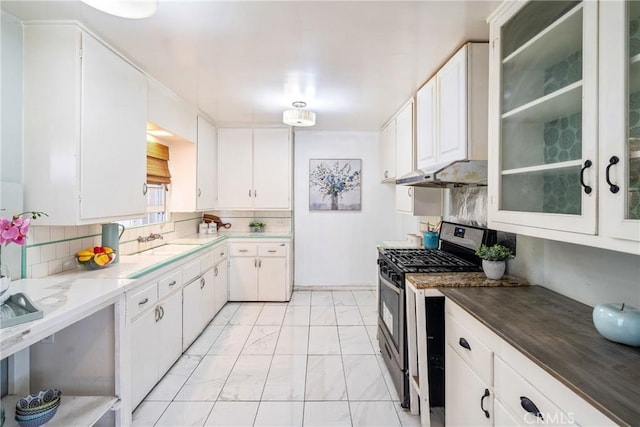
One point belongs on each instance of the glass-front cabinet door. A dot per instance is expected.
(619, 131)
(543, 116)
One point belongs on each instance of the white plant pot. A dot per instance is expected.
(493, 269)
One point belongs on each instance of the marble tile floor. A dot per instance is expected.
(313, 361)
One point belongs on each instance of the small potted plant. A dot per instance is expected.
(494, 260)
(256, 226)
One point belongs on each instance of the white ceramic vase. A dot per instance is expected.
(493, 269)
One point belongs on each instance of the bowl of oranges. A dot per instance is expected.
(96, 257)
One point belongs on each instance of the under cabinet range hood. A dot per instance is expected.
(456, 174)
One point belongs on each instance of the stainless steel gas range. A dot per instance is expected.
(456, 253)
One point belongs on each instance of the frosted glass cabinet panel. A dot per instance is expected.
(546, 115)
(620, 112)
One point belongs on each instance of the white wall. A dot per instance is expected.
(589, 275)
(339, 248)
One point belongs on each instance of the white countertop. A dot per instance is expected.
(63, 302)
(70, 296)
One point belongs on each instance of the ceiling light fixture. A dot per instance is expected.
(132, 9)
(298, 116)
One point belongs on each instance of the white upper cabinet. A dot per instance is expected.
(563, 153)
(451, 111)
(193, 170)
(254, 168)
(426, 125)
(84, 128)
(388, 152)
(404, 140)
(171, 113)
(206, 165)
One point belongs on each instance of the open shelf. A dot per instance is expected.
(73, 410)
(553, 43)
(562, 102)
(543, 168)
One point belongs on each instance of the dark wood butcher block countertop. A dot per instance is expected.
(460, 280)
(557, 333)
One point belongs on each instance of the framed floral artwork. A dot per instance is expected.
(335, 184)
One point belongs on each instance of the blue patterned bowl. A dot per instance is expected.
(32, 412)
(39, 400)
(37, 420)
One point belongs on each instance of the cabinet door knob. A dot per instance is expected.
(215, 271)
(386, 174)
(530, 407)
(587, 164)
(157, 314)
(199, 192)
(255, 193)
(144, 189)
(161, 312)
(612, 187)
(486, 394)
(249, 192)
(202, 282)
(464, 343)
(259, 263)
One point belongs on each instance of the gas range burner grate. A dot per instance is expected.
(428, 261)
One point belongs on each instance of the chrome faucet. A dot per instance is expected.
(150, 237)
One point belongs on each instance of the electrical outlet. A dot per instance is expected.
(47, 340)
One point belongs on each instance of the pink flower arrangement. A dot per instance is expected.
(15, 229)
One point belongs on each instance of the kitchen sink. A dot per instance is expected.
(166, 250)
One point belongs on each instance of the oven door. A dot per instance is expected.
(391, 318)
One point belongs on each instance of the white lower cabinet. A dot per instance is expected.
(198, 302)
(485, 373)
(221, 279)
(468, 376)
(469, 401)
(156, 334)
(502, 417)
(259, 272)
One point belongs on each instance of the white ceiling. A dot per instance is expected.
(243, 62)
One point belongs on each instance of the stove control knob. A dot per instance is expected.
(394, 277)
(384, 269)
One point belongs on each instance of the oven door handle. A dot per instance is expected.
(389, 285)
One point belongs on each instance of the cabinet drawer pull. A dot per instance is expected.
(255, 193)
(215, 271)
(173, 283)
(386, 174)
(530, 407)
(242, 251)
(144, 189)
(221, 253)
(202, 282)
(255, 263)
(587, 164)
(157, 314)
(272, 251)
(249, 192)
(486, 394)
(161, 312)
(144, 301)
(464, 343)
(199, 192)
(612, 187)
(259, 263)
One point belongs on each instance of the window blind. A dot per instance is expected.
(158, 164)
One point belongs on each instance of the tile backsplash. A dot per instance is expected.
(51, 250)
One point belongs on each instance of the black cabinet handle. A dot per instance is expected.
(587, 164)
(486, 394)
(464, 343)
(530, 407)
(612, 187)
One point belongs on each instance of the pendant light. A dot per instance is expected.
(298, 116)
(132, 9)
